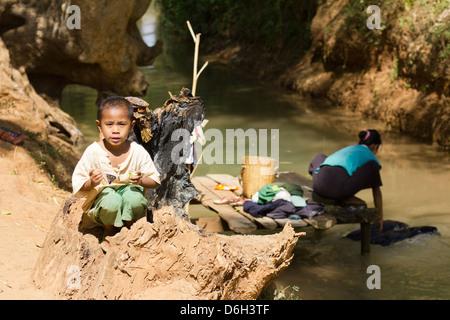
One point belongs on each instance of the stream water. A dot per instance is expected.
(415, 175)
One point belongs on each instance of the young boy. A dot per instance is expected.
(114, 173)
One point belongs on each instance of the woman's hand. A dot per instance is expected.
(380, 226)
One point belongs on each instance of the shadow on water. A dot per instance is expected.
(415, 176)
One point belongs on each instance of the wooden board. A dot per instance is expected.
(228, 180)
(322, 221)
(344, 215)
(332, 214)
(236, 221)
(265, 222)
(294, 223)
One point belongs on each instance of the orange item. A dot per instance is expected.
(225, 188)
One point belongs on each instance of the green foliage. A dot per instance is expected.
(356, 21)
(287, 293)
(408, 4)
(270, 24)
(393, 73)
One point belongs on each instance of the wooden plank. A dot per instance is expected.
(226, 179)
(345, 216)
(295, 223)
(237, 222)
(265, 222)
(322, 221)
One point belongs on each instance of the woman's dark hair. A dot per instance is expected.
(369, 137)
(115, 102)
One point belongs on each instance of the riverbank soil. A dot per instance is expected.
(28, 203)
(29, 176)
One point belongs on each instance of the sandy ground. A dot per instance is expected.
(28, 203)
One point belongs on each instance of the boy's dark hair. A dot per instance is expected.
(369, 137)
(115, 102)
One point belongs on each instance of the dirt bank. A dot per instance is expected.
(28, 203)
(29, 174)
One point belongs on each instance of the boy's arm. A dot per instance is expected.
(149, 183)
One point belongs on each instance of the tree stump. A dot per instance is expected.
(167, 259)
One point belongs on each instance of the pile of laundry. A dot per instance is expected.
(281, 200)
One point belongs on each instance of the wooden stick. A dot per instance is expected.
(203, 68)
(196, 75)
(195, 78)
(198, 162)
(191, 30)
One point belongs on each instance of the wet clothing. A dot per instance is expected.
(393, 231)
(345, 173)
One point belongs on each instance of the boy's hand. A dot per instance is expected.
(96, 176)
(135, 177)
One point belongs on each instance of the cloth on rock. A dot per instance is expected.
(393, 231)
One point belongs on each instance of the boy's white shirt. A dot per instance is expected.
(95, 157)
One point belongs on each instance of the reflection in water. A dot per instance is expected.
(415, 176)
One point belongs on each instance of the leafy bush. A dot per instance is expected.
(271, 25)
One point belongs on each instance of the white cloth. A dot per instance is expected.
(282, 195)
(199, 136)
(94, 157)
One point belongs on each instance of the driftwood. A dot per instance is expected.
(167, 259)
(179, 112)
(164, 256)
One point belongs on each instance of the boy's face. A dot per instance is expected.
(115, 125)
